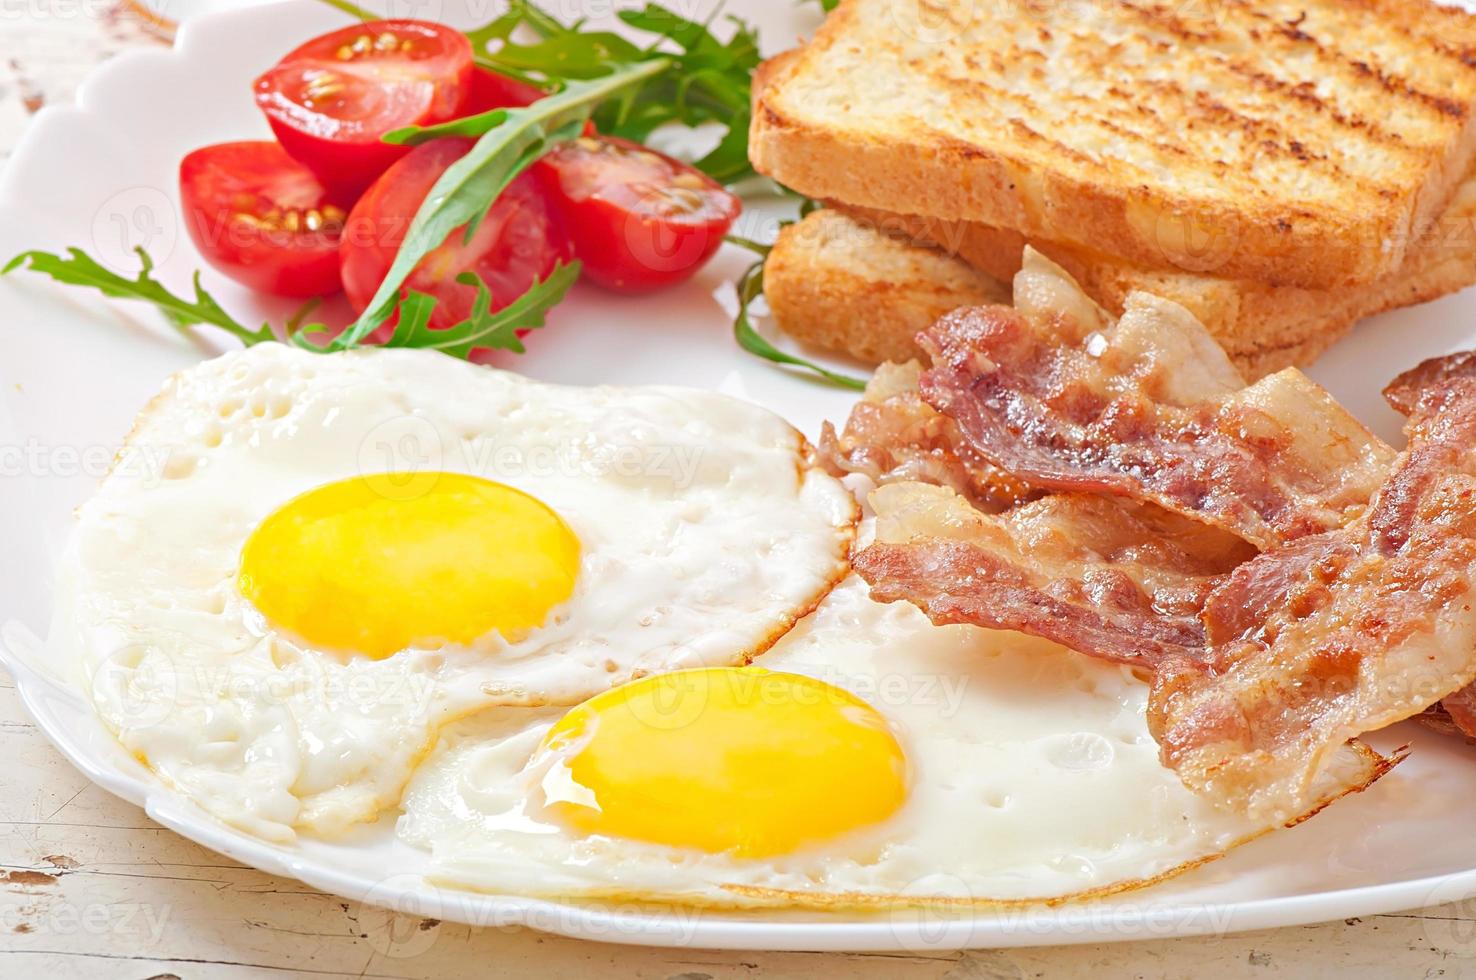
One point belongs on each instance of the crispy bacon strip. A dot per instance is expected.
(1149, 570)
(1112, 578)
(893, 436)
(1437, 719)
(1379, 625)
(1057, 394)
(1460, 708)
(1354, 617)
(1245, 600)
(1428, 378)
(1421, 389)
(1306, 646)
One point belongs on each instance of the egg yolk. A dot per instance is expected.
(371, 566)
(741, 760)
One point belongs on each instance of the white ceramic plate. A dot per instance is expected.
(74, 370)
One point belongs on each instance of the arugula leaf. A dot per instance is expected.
(519, 13)
(78, 268)
(757, 248)
(750, 288)
(497, 30)
(484, 328)
(707, 81)
(512, 140)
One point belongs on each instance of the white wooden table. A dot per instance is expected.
(90, 887)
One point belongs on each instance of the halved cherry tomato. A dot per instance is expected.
(518, 243)
(330, 100)
(490, 90)
(262, 218)
(639, 219)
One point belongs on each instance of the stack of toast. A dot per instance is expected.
(1282, 169)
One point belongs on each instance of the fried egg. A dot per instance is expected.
(868, 759)
(337, 555)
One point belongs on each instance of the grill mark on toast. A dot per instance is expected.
(1069, 110)
(1292, 37)
(982, 89)
(1397, 87)
(1264, 134)
(1167, 21)
(1146, 113)
(1293, 28)
(1275, 137)
(1399, 19)
(1107, 124)
(1024, 131)
(1394, 85)
(1305, 92)
(1032, 135)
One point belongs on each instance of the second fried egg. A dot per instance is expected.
(869, 759)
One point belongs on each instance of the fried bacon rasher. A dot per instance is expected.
(1355, 615)
(1371, 624)
(1419, 389)
(894, 436)
(1111, 578)
(1061, 397)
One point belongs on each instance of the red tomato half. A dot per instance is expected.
(262, 218)
(518, 243)
(330, 100)
(639, 219)
(490, 90)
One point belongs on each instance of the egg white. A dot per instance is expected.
(705, 533)
(1032, 777)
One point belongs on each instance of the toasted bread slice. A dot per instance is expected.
(834, 279)
(844, 285)
(1298, 142)
(1250, 319)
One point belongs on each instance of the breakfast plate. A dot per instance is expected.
(102, 175)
